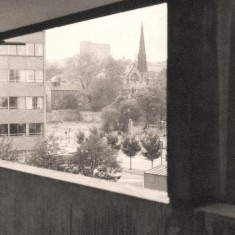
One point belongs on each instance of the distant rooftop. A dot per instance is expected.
(158, 170)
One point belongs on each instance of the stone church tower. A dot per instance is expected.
(142, 62)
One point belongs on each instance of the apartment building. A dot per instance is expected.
(100, 50)
(22, 96)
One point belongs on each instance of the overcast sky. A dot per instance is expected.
(121, 31)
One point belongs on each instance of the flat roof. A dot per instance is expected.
(158, 170)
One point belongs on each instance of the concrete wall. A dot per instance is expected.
(157, 182)
(21, 116)
(21, 89)
(89, 116)
(36, 201)
(65, 115)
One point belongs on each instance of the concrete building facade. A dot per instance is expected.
(100, 50)
(22, 96)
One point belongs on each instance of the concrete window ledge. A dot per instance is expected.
(215, 219)
(36, 201)
(40, 201)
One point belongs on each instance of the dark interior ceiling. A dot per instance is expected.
(20, 17)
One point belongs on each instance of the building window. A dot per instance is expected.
(17, 129)
(21, 50)
(12, 50)
(35, 129)
(38, 49)
(38, 76)
(34, 102)
(29, 75)
(3, 129)
(13, 103)
(30, 49)
(17, 75)
(3, 50)
(3, 102)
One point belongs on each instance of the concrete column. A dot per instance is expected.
(230, 181)
(198, 59)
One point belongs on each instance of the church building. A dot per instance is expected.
(136, 76)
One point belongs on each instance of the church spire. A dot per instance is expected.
(142, 63)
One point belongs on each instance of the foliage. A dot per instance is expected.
(110, 119)
(152, 146)
(94, 156)
(80, 137)
(152, 100)
(113, 141)
(7, 151)
(128, 109)
(83, 68)
(130, 147)
(52, 70)
(100, 81)
(117, 115)
(47, 153)
(70, 101)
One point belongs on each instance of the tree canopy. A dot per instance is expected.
(94, 155)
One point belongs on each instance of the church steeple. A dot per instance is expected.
(142, 63)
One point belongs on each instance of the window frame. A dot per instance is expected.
(7, 130)
(3, 102)
(35, 128)
(9, 106)
(18, 128)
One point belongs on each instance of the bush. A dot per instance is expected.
(95, 158)
(47, 153)
(7, 152)
(70, 101)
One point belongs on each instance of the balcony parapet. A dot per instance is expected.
(39, 201)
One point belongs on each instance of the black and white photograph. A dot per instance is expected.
(117, 117)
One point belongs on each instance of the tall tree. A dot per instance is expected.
(83, 69)
(109, 83)
(152, 100)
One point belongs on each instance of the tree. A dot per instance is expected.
(70, 101)
(110, 119)
(95, 158)
(130, 147)
(52, 70)
(47, 153)
(128, 109)
(152, 146)
(152, 100)
(113, 141)
(7, 151)
(109, 83)
(83, 68)
(117, 115)
(102, 94)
